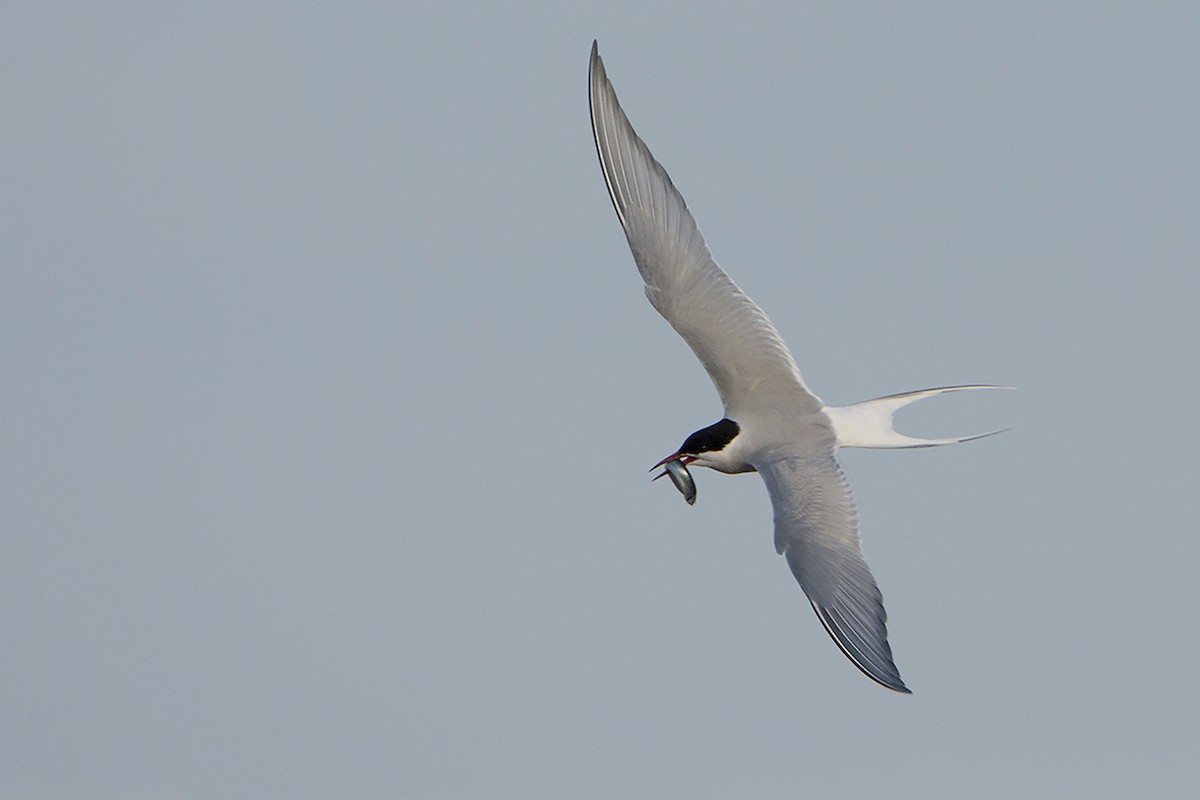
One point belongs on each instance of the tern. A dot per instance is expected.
(773, 425)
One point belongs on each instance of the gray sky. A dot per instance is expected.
(330, 391)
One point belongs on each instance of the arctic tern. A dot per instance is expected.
(773, 424)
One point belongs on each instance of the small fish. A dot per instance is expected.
(682, 479)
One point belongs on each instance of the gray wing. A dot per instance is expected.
(816, 530)
(738, 346)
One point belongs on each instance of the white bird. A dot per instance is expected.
(773, 424)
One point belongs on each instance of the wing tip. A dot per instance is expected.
(888, 678)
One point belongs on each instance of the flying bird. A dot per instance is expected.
(773, 424)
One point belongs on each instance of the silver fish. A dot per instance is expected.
(682, 479)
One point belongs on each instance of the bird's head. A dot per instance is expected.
(709, 447)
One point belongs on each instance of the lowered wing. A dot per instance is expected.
(816, 530)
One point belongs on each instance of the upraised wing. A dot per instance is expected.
(816, 530)
(738, 346)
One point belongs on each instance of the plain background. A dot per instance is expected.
(329, 391)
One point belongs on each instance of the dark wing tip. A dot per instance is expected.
(873, 660)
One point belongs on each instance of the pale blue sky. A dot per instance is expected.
(330, 391)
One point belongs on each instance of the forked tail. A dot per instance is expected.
(869, 423)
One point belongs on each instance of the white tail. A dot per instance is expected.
(869, 423)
